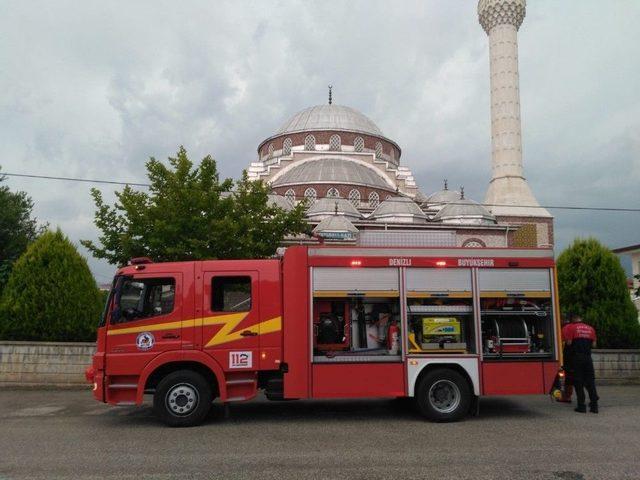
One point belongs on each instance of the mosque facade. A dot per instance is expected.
(356, 191)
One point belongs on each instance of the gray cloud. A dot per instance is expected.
(92, 90)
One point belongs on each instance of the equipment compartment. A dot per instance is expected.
(517, 326)
(438, 324)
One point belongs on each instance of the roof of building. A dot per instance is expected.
(629, 249)
(335, 224)
(332, 170)
(279, 201)
(330, 117)
(464, 211)
(396, 208)
(327, 206)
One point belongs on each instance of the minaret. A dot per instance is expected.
(501, 19)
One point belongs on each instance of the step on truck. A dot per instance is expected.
(442, 326)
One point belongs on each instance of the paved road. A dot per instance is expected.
(65, 434)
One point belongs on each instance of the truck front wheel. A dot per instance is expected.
(443, 395)
(182, 399)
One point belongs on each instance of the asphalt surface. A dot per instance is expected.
(66, 434)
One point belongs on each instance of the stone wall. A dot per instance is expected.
(617, 366)
(63, 364)
(44, 363)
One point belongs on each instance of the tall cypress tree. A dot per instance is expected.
(51, 294)
(593, 283)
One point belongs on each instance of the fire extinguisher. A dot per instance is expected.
(393, 338)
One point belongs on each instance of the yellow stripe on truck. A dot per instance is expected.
(225, 335)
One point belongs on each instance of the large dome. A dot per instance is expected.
(331, 170)
(330, 117)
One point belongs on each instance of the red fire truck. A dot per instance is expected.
(441, 325)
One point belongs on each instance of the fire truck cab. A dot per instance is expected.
(441, 325)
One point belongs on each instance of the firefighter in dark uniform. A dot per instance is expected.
(567, 392)
(580, 338)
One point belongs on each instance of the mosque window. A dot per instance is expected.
(333, 193)
(270, 150)
(310, 142)
(290, 195)
(358, 144)
(354, 197)
(379, 151)
(311, 195)
(335, 143)
(374, 199)
(473, 243)
(286, 146)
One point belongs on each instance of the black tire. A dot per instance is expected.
(182, 399)
(443, 395)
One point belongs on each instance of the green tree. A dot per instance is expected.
(593, 284)
(51, 294)
(190, 214)
(17, 228)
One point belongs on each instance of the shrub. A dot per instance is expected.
(51, 294)
(593, 284)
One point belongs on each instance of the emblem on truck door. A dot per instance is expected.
(240, 359)
(145, 341)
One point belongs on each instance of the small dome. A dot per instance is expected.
(330, 117)
(398, 210)
(463, 211)
(442, 197)
(279, 201)
(325, 207)
(332, 170)
(336, 227)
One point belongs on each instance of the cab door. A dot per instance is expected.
(147, 321)
(231, 318)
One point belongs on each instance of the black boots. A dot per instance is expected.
(593, 408)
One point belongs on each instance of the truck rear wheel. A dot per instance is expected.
(443, 395)
(182, 399)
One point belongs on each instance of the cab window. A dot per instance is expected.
(231, 294)
(145, 298)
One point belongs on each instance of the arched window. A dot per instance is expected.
(473, 243)
(333, 193)
(311, 195)
(358, 144)
(286, 146)
(374, 199)
(310, 142)
(290, 195)
(270, 150)
(335, 143)
(379, 151)
(354, 197)
(387, 197)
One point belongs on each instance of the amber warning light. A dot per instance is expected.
(356, 263)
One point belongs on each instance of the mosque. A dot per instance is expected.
(356, 190)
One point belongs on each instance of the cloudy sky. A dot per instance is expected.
(92, 89)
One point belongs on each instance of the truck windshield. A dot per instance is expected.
(115, 286)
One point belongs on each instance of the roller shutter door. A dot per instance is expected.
(514, 280)
(355, 280)
(438, 279)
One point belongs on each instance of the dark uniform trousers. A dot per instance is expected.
(584, 378)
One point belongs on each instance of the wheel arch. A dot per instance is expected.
(468, 369)
(197, 361)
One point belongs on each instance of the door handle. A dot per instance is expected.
(170, 335)
(249, 333)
